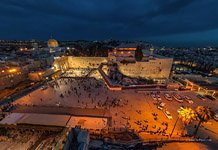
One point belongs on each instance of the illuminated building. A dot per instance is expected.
(121, 53)
(151, 66)
(52, 44)
(10, 77)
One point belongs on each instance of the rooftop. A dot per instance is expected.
(129, 46)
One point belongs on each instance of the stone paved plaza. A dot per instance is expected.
(128, 108)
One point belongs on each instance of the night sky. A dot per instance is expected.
(170, 21)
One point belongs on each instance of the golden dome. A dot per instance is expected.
(52, 43)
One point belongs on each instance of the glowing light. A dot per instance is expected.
(12, 70)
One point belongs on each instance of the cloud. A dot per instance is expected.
(102, 19)
(170, 7)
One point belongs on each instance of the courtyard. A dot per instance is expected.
(129, 109)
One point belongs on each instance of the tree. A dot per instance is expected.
(204, 114)
(138, 53)
(187, 115)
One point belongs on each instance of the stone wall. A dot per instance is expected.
(154, 68)
(157, 68)
(86, 62)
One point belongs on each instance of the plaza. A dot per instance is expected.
(129, 109)
(86, 97)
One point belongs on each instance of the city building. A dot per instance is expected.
(123, 52)
(10, 77)
(52, 45)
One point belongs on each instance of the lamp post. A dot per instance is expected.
(174, 126)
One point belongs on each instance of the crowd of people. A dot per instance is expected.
(92, 93)
(83, 88)
(154, 129)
